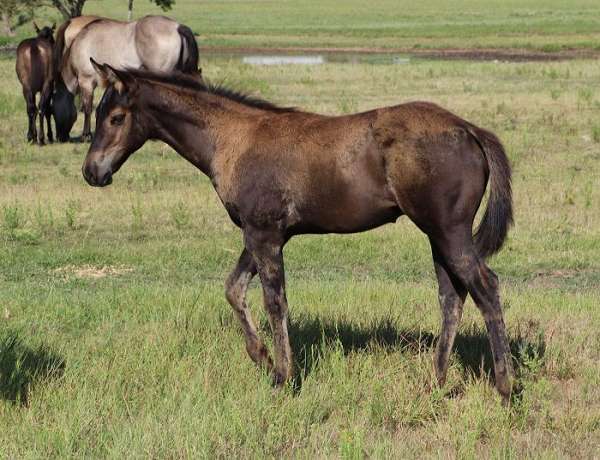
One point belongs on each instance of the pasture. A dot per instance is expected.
(116, 338)
(548, 25)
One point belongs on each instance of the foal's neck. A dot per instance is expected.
(198, 125)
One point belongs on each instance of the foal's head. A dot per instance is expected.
(120, 130)
(47, 33)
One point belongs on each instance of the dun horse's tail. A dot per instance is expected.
(189, 55)
(59, 48)
(498, 215)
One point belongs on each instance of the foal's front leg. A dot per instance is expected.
(267, 251)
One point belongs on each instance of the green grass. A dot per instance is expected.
(549, 25)
(116, 339)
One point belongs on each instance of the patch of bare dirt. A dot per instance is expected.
(91, 271)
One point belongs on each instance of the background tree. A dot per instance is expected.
(11, 8)
(68, 8)
(164, 4)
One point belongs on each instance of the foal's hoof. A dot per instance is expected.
(86, 138)
(505, 386)
(278, 380)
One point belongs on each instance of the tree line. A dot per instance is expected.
(16, 12)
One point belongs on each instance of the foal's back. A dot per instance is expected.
(352, 173)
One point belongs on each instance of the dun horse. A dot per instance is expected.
(35, 71)
(281, 172)
(154, 43)
(65, 112)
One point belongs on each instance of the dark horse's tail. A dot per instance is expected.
(498, 215)
(59, 48)
(189, 63)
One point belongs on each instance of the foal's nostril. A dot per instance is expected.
(86, 175)
(106, 179)
(96, 176)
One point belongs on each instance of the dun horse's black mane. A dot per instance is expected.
(188, 82)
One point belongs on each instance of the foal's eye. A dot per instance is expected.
(117, 119)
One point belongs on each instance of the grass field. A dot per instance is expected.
(116, 339)
(548, 25)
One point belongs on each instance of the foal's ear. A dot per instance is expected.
(122, 81)
(37, 29)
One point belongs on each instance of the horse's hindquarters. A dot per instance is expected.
(158, 43)
(436, 170)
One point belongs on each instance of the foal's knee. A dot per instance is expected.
(232, 292)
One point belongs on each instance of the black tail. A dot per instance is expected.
(188, 56)
(59, 48)
(498, 216)
(38, 75)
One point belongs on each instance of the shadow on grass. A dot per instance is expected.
(310, 336)
(21, 367)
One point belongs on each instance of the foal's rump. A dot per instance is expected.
(438, 166)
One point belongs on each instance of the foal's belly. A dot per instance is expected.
(350, 216)
(353, 198)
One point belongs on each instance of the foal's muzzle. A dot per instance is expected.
(95, 176)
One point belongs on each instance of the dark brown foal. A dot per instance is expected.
(35, 71)
(281, 172)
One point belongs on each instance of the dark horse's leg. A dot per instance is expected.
(266, 248)
(235, 291)
(46, 109)
(482, 283)
(31, 113)
(452, 297)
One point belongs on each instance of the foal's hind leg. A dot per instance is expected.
(235, 291)
(482, 283)
(31, 113)
(452, 297)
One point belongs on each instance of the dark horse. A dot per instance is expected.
(35, 71)
(281, 172)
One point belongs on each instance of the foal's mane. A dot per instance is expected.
(186, 81)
